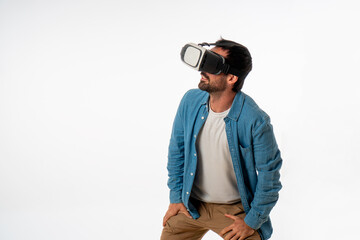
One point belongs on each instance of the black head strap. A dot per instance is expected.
(206, 44)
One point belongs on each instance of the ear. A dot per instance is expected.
(232, 79)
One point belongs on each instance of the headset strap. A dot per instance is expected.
(228, 69)
(206, 44)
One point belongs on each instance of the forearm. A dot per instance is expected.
(265, 198)
(175, 172)
(268, 163)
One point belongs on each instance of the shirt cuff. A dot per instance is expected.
(254, 220)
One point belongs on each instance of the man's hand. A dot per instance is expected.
(174, 209)
(237, 230)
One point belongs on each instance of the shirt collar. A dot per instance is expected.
(205, 99)
(235, 108)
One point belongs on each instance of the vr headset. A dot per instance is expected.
(204, 60)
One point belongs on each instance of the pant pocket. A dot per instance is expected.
(180, 223)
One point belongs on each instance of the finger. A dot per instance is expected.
(227, 229)
(230, 235)
(231, 216)
(248, 234)
(165, 220)
(186, 214)
(242, 237)
(237, 237)
(167, 216)
(185, 211)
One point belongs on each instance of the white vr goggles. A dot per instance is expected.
(204, 60)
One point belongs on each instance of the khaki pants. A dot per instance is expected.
(181, 227)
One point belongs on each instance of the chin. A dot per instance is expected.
(203, 87)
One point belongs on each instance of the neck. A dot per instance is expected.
(221, 101)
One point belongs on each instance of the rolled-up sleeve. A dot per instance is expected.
(176, 156)
(268, 163)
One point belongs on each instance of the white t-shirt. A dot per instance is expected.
(215, 179)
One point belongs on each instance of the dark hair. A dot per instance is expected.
(239, 58)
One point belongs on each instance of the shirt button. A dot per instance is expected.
(191, 174)
(194, 136)
(187, 193)
(195, 154)
(202, 117)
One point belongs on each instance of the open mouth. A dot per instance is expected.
(204, 77)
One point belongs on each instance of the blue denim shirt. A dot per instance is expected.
(253, 149)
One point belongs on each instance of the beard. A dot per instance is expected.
(212, 86)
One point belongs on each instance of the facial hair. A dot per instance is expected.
(212, 86)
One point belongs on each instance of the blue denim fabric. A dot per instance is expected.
(254, 152)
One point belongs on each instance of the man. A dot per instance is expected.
(223, 160)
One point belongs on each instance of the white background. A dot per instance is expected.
(89, 90)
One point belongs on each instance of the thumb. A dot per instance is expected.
(230, 216)
(185, 211)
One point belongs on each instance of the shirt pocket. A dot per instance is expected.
(247, 156)
(248, 165)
